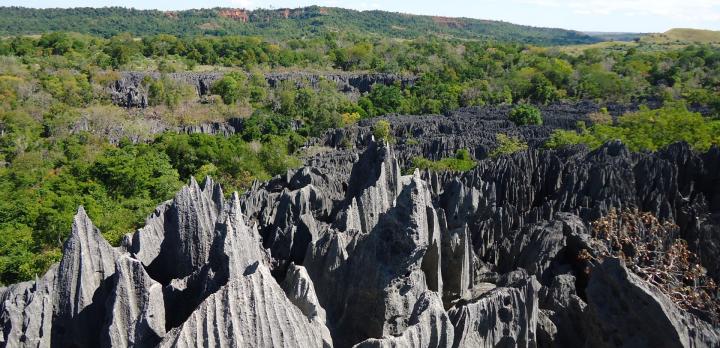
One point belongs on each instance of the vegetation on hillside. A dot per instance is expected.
(277, 25)
(679, 35)
(646, 130)
(453, 73)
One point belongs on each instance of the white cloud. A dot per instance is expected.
(693, 11)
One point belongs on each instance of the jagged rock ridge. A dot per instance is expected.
(347, 251)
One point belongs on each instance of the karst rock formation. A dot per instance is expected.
(352, 250)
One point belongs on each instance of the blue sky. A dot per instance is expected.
(585, 15)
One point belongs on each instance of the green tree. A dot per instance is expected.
(525, 114)
(232, 88)
(384, 100)
(381, 131)
(136, 170)
(542, 90)
(121, 48)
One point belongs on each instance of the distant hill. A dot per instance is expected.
(273, 24)
(682, 35)
(610, 36)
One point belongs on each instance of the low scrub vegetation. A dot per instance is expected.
(646, 130)
(462, 162)
(507, 145)
(382, 131)
(524, 114)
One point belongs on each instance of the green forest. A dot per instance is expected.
(55, 153)
(276, 25)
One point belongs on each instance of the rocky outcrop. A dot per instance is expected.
(249, 311)
(346, 82)
(351, 250)
(562, 314)
(300, 290)
(178, 238)
(506, 316)
(131, 90)
(430, 327)
(623, 310)
(27, 310)
(472, 128)
(135, 309)
(102, 296)
(82, 285)
(377, 300)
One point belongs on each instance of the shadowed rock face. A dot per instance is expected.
(249, 311)
(347, 251)
(82, 285)
(505, 317)
(617, 320)
(135, 315)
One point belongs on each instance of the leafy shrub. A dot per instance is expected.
(9, 86)
(168, 92)
(461, 162)
(525, 114)
(349, 118)
(232, 88)
(381, 131)
(647, 130)
(507, 145)
(264, 123)
(166, 66)
(562, 138)
(274, 155)
(383, 100)
(69, 87)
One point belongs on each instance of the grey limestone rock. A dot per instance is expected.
(539, 248)
(178, 237)
(384, 270)
(504, 317)
(135, 308)
(249, 311)
(625, 311)
(82, 285)
(26, 312)
(300, 290)
(430, 327)
(562, 314)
